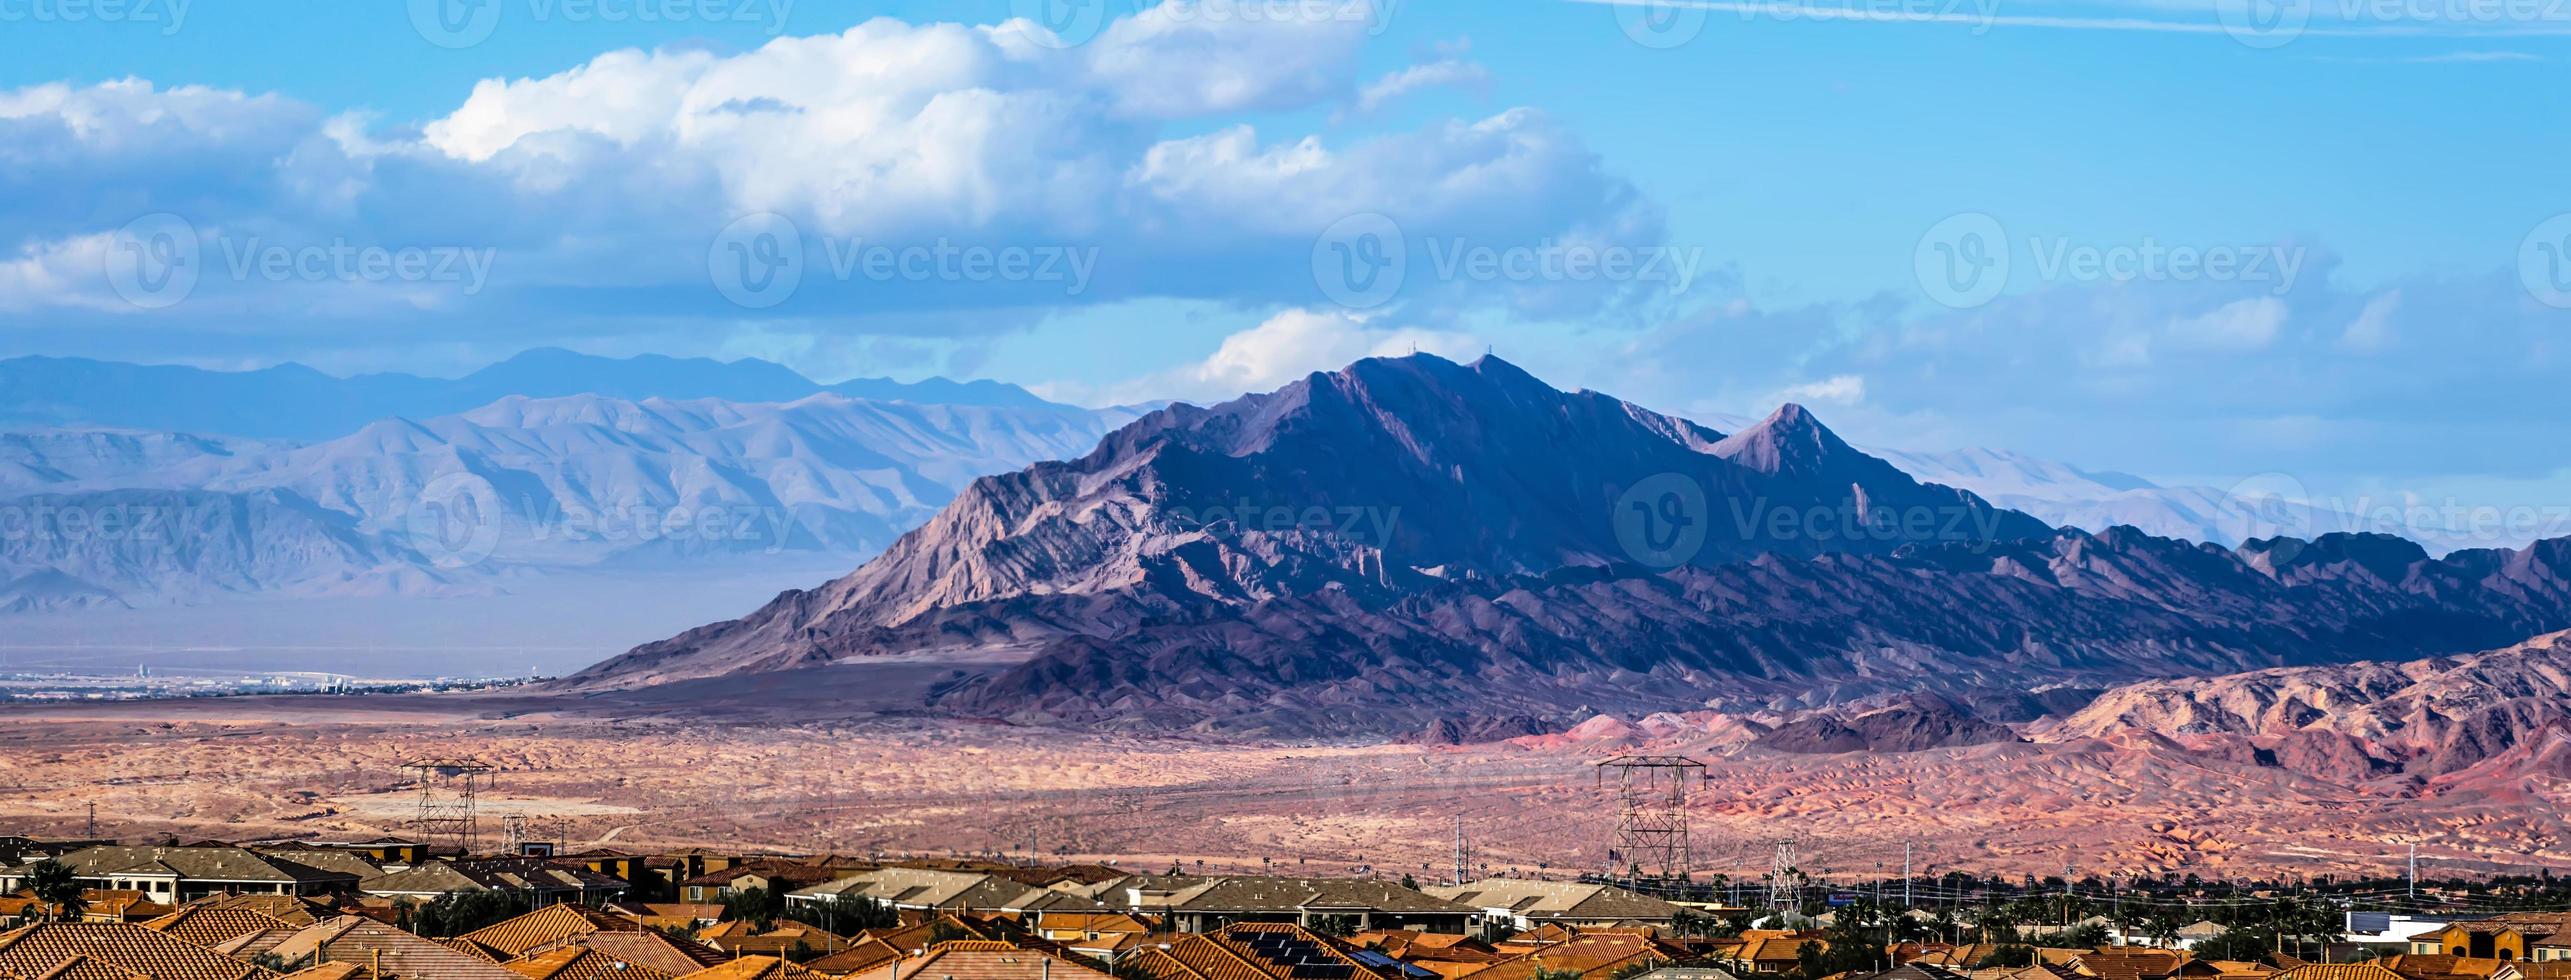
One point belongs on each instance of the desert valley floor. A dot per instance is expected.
(327, 767)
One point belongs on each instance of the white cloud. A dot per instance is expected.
(1446, 72)
(1278, 350)
(1838, 389)
(2244, 324)
(2372, 329)
(601, 186)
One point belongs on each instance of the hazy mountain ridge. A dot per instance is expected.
(550, 482)
(294, 402)
(147, 546)
(1512, 594)
(2068, 496)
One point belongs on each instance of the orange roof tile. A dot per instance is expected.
(548, 925)
(40, 949)
(581, 963)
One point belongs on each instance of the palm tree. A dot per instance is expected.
(53, 885)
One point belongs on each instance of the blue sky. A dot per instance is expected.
(1797, 166)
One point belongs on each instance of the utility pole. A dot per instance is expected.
(2414, 874)
(1459, 850)
(1905, 874)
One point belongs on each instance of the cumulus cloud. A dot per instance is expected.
(609, 189)
(1838, 389)
(2177, 380)
(1278, 350)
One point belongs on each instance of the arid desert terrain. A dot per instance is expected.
(328, 767)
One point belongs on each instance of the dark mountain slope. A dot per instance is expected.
(1410, 540)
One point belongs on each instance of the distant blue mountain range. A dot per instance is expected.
(291, 401)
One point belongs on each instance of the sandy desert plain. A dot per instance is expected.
(635, 773)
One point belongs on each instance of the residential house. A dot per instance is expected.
(211, 925)
(546, 928)
(385, 952)
(754, 968)
(95, 949)
(1525, 903)
(2128, 963)
(1264, 951)
(580, 963)
(1195, 905)
(774, 876)
(179, 874)
(658, 951)
(535, 881)
(1773, 951)
(1600, 955)
(982, 960)
(920, 889)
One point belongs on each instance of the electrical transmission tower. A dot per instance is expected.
(447, 788)
(1651, 814)
(1785, 890)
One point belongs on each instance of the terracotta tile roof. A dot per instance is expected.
(581, 963)
(866, 954)
(654, 950)
(982, 960)
(473, 949)
(2128, 963)
(39, 949)
(85, 968)
(547, 925)
(1595, 953)
(2339, 971)
(207, 925)
(396, 954)
(332, 971)
(754, 968)
(291, 909)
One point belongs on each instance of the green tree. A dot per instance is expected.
(756, 906)
(844, 915)
(53, 884)
(457, 913)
